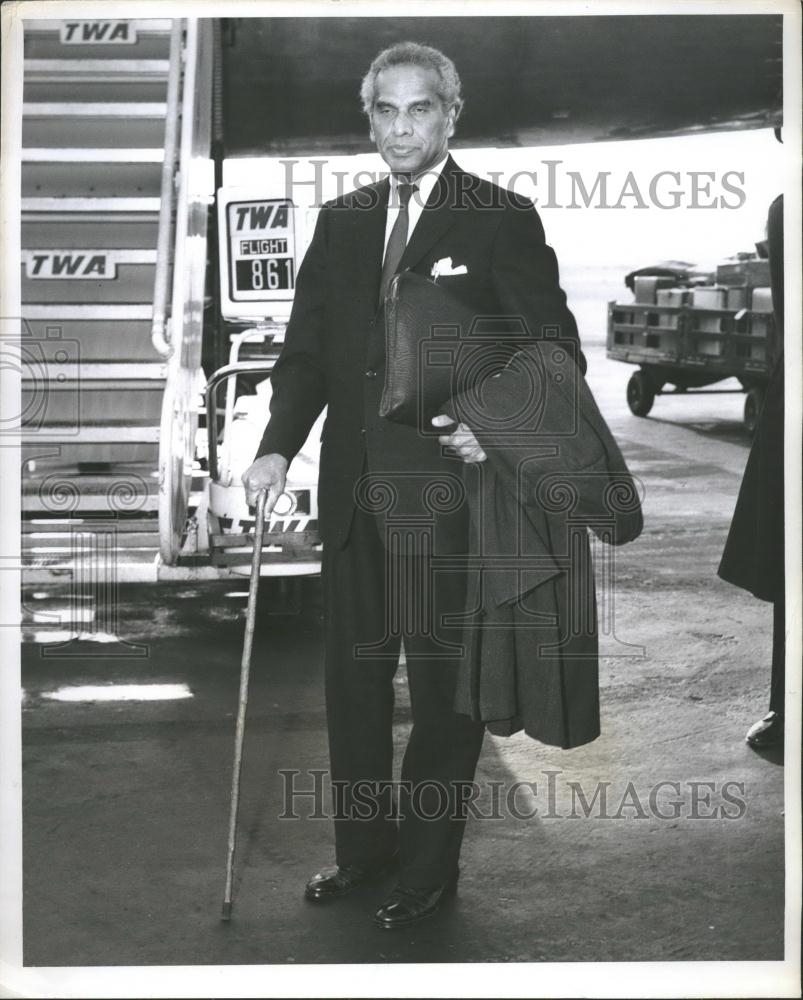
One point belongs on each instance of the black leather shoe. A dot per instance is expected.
(767, 732)
(332, 883)
(405, 906)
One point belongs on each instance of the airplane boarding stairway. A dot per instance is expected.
(116, 184)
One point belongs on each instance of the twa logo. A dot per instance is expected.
(43, 264)
(87, 264)
(261, 216)
(97, 33)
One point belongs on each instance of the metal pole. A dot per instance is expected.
(242, 708)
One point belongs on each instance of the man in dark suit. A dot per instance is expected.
(753, 558)
(390, 497)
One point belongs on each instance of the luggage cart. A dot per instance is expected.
(693, 337)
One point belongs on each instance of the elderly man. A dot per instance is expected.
(387, 500)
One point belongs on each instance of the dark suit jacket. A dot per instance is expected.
(334, 348)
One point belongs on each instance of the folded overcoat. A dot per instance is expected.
(553, 471)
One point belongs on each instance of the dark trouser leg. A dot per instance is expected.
(778, 678)
(443, 747)
(359, 694)
(372, 597)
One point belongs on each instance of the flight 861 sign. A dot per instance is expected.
(258, 252)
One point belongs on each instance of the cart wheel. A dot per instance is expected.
(640, 394)
(753, 402)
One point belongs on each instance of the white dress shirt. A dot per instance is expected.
(420, 197)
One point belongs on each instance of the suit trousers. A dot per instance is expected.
(375, 598)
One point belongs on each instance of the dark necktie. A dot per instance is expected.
(398, 239)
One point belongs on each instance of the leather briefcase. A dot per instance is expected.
(426, 329)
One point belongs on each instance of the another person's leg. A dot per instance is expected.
(778, 676)
(769, 731)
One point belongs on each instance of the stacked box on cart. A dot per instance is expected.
(744, 272)
(708, 345)
(761, 300)
(645, 287)
(672, 298)
(760, 326)
(756, 351)
(708, 324)
(736, 298)
(708, 297)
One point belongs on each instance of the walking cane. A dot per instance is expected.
(242, 707)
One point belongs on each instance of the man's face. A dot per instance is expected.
(409, 125)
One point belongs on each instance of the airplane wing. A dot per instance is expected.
(290, 85)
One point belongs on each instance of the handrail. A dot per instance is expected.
(258, 333)
(227, 372)
(159, 326)
(194, 194)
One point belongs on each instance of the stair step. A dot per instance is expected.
(75, 154)
(91, 70)
(133, 285)
(89, 487)
(57, 311)
(65, 503)
(141, 25)
(108, 433)
(107, 132)
(65, 89)
(94, 109)
(96, 477)
(55, 456)
(139, 566)
(82, 231)
(78, 179)
(89, 341)
(58, 522)
(58, 514)
(63, 542)
(41, 564)
(112, 371)
(94, 206)
(55, 524)
(56, 498)
(83, 403)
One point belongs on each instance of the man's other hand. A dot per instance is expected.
(267, 473)
(460, 439)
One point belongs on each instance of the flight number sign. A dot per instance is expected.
(261, 249)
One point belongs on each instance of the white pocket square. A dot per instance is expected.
(444, 268)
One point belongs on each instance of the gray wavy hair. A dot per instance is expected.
(413, 54)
